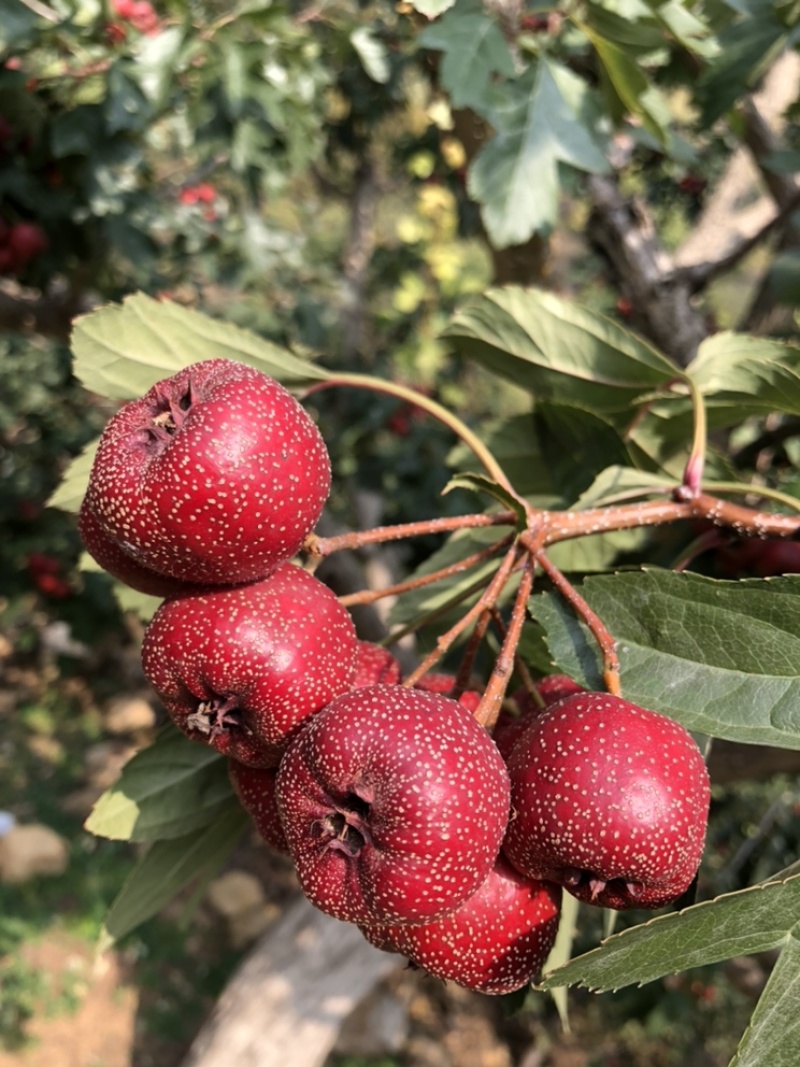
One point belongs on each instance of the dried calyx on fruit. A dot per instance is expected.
(609, 800)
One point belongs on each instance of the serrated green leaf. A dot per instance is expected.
(752, 920)
(167, 867)
(541, 120)
(72, 488)
(167, 790)
(475, 52)
(752, 374)
(720, 657)
(122, 350)
(773, 1035)
(559, 351)
(479, 483)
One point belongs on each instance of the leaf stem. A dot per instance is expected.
(695, 464)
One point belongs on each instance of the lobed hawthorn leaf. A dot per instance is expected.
(773, 1035)
(167, 867)
(720, 657)
(752, 920)
(122, 350)
(559, 351)
(167, 790)
(474, 51)
(542, 119)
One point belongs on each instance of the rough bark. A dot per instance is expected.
(285, 1005)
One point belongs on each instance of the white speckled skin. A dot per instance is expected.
(276, 651)
(494, 943)
(215, 476)
(608, 799)
(394, 804)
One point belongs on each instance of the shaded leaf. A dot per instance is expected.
(122, 350)
(576, 446)
(749, 373)
(773, 1036)
(167, 867)
(720, 657)
(752, 920)
(541, 120)
(72, 488)
(479, 483)
(167, 790)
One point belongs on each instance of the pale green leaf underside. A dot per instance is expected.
(773, 1036)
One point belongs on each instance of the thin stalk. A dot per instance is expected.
(370, 596)
(447, 418)
(488, 710)
(764, 491)
(471, 652)
(319, 547)
(695, 464)
(599, 631)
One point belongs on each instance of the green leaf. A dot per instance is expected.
(432, 8)
(561, 953)
(784, 273)
(121, 351)
(514, 445)
(372, 53)
(479, 483)
(167, 790)
(576, 446)
(752, 374)
(617, 483)
(142, 605)
(773, 1036)
(475, 52)
(559, 351)
(167, 867)
(720, 657)
(541, 120)
(753, 920)
(70, 492)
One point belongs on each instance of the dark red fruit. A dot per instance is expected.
(444, 684)
(496, 942)
(394, 804)
(758, 558)
(26, 241)
(239, 668)
(510, 727)
(122, 566)
(609, 800)
(215, 476)
(375, 665)
(255, 788)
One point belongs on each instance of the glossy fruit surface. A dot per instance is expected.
(609, 800)
(240, 667)
(496, 942)
(215, 476)
(394, 804)
(511, 726)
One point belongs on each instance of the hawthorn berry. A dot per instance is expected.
(215, 476)
(609, 800)
(255, 788)
(394, 803)
(238, 668)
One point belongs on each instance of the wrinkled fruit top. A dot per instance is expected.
(394, 804)
(215, 476)
(608, 799)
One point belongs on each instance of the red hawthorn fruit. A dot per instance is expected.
(124, 8)
(374, 665)
(52, 586)
(215, 476)
(115, 33)
(609, 800)
(394, 803)
(26, 241)
(510, 727)
(624, 307)
(758, 558)
(238, 668)
(41, 563)
(255, 788)
(444, 683)
(120, 565)
(494, 943)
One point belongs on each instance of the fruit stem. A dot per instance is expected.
(369, 596)
(695, 464)
(447, 418)
(599, 631)
(319, 547)
(468, 659)
(491, 702)
(520, 666)
(487, 600)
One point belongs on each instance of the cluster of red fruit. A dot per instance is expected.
(400, 812)
(20, 244)
(140, 14)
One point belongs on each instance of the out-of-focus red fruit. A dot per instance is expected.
(444, 684)
(375, 665)
(26, 241)
(143, 17)
(41, 563)
(692, 184)
(758, 558)
(124, 8)
(496, 942)
(255, 788)
(115, 33)
(52, 586)
(624, 307)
